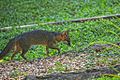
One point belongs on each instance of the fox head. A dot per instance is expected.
(64, 36)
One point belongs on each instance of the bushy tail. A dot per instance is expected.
(8, 47)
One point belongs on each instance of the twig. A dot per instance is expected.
(63, 22)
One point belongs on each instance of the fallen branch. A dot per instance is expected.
(62, 22)
(23, 26)
(85, 75)
(87, 19)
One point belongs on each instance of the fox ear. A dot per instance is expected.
(65, 32)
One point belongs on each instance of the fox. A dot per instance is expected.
(22, 43)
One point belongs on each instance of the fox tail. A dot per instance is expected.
(8, 47)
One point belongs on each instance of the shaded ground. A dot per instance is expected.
(68, 62)
(84, 75)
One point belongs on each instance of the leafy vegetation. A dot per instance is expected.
(17, 12)
(108, 78)
(22, 12)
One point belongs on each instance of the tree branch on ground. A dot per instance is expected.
(85, 75)
(63, 22)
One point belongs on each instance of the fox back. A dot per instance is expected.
(43, 37)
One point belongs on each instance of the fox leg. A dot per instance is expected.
(16, 50)
(47, 51)
(54, 47)
(24, 48)
(14, 55)
(24, 51)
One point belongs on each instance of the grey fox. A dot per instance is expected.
(24, 41)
